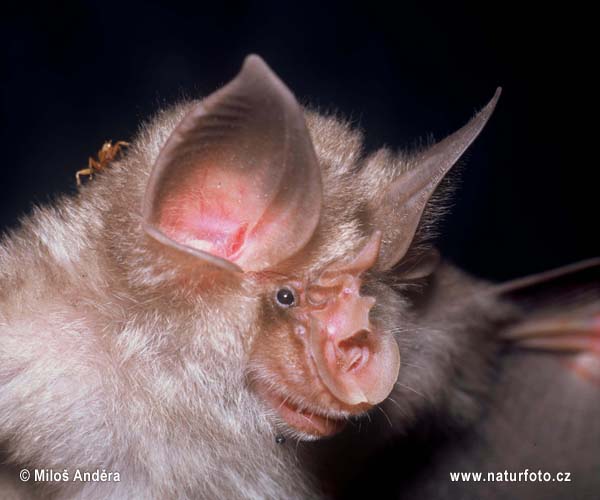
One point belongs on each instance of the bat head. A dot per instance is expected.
(251, 197)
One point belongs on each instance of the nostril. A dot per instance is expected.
(354, 352)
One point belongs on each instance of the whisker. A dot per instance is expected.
(410, 365)
(284, 402)
(385, 415)
(402, 410)
(412, 390)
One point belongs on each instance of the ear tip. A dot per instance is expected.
(256, 69)
(257, 73)
(495, 98)
(485, 112)
(253, 60)
(253, 63)
(497, 94)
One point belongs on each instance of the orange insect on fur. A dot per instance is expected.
(106, 155)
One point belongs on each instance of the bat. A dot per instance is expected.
(242, 278)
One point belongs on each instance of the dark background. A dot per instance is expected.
(77, 73)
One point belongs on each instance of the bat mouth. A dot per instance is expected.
(309, 421)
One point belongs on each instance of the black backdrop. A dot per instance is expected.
(77, 73)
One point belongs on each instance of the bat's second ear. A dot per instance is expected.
(237, 184)
(399, 211)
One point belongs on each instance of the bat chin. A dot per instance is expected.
(310, 423)
(305, 420)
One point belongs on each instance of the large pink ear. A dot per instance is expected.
(237, 184)
(399, 211)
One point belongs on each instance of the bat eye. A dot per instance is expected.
(285, 297)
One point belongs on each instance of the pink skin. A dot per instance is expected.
(562, 334)
(211, 218)
(351, 360)
(357, 364)
(586, 363)
(577, 335)
(308, 420)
